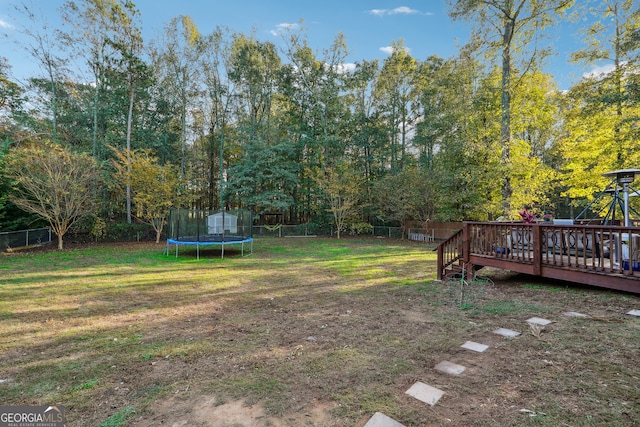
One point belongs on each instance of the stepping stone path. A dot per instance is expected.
(450, 368)
(425, 393)
(538, 321)
(381, 420)
(431, 395)
(474, 346)
(574, 314)
(509, 333)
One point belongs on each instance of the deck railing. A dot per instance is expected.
(546, 248)
(449, 252)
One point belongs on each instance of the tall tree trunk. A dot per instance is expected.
(95, 118)
(54, 102)
(129, 125)
(505, 122)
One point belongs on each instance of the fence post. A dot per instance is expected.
(27, 242)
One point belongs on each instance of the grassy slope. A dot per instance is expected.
(107, 330)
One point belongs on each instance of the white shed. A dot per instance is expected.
(215, 223)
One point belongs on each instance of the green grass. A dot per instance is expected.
(119, 418)
(109, 330)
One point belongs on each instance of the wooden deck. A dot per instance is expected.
(603, 256)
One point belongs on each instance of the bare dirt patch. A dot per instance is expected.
(206, 412)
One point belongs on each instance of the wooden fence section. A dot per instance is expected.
(605, 256)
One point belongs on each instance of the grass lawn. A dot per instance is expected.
(305, 332)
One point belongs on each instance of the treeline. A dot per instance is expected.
(226, 120)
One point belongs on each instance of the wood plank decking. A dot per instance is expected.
(604, 256)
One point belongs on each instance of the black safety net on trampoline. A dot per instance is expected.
(191, 227)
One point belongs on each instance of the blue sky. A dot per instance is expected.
(369, 26)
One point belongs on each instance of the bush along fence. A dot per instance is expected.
(10, 240)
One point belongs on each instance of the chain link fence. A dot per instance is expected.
(22, 238)
(311, 230)
(300, 230)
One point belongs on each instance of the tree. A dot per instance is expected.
(216, 112)
(535, 113)
(10, 100)
(4, 182)
(155, 188)
(407, 195)
(612, 40)
(128, 42)
(342, 190)
(601, 112)
(509, 26)
(396, 90)
(92, 25)
(53, 183)
(262, 177)
(458, 136)
(176, 64)
(42, 47)
(315, 114)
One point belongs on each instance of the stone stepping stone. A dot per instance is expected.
(539, 321)
(450, 368)
(574, 314)
(381, 420)
(425, 393)
(634, 312)
(474, 346)
(507, 332)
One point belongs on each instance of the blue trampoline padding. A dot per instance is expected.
(207, 243)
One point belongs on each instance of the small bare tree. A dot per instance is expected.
(53, 183)
(342, 193)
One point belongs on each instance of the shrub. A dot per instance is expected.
(360, 228)
(123, 231)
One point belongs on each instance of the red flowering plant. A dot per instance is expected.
(528, 217)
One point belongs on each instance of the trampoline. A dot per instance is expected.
(203, 228)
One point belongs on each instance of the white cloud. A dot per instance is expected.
(378, 12)
(4, 24)
(284, 27)
(401, 10)
(346, 68)
(598, 71)
(389, 49)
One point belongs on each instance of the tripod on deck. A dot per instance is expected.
(620, 190)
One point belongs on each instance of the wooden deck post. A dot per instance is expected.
(440, 264)
(537, 249)
(466, 250)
